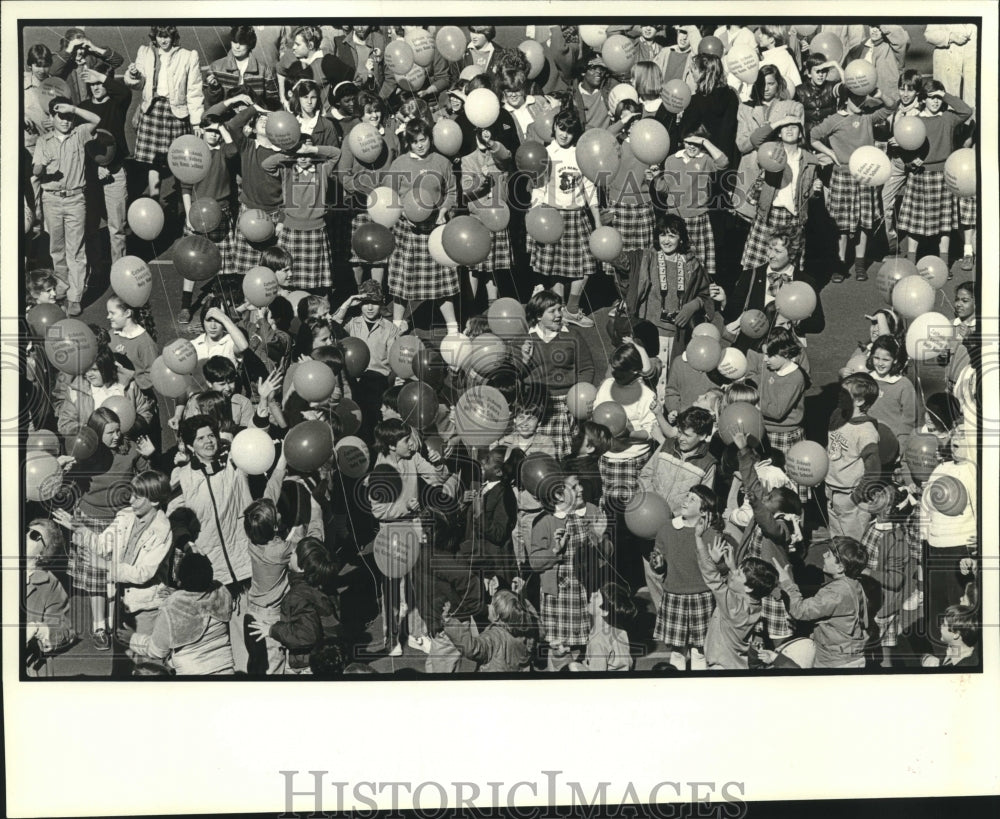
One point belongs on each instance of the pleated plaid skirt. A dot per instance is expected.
(783, 439)
(222, 237)
(928, 208)
(564, 615)
(500, 257)
(682, 619)
(157, 128)
(570, 257)
(311, 260)
(776, 618)
(413, 274)
(755, 250)
(850, 205)
(89, 574)
(967, 211)
(559, 424)
(635, 223)
(246, 254)
(702, 241)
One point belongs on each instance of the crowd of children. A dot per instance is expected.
(506, 504)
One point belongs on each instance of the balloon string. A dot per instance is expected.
(201, 48)
(124, 44)
(946, 299)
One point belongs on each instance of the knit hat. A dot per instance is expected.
(370, 292)
(786, 112)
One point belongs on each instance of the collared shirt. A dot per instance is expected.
(779, 278)
(522, 115)
(63, 154)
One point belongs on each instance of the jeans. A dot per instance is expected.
(114, 204)
(65, 218)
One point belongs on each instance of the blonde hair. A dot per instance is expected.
(647, 80)
(739, 391)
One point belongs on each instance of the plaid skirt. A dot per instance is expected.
(850, 205)
(246, 254)
(570, 257)
(89, 574)
(682, 619)
(311, 261)
(702, 241)
(755, 250)
(636, 225)
(158, 127)
(928, 208)
(776, 618)
(413, 274)
(559, 424)
(360, 218)
(889, 629)
(500, 257)
(222, 237)
(967, 211)
(564, 615)
(783, 439)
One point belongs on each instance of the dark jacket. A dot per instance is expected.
(750, 289)
(307, 616)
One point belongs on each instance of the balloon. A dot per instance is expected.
(626, 394)
(43, 477)
(948, 495)
(365, 142)
(606, 243)
(619, 53)
(506, 317)
(205, 215)
(418, 405)
(70, 346)
(891, 271)
(145, 217)
(180, 356)
(544, 224)
(860, 77)
(676, 96)
(807, 463)
(621, 92)
(706, 328)
(412, 80)
(912, 296)
(594, 36)
(960, 172)
(42, 316)
(481, 415)
(314, 380)
(471, 71)
(703, 353)
(398, 57)
(189, 158)
(598, 153)
(482, 107)
(196, 258)
(123, 407)
(252, 451)
(260, 286)
(43, 441)
(353, 458)
(910, 132)
(451, 43)
(711, 45)
(649, 141)
(796, 301)
(435, 246)
(373, 242)
(532, 158)
(921, 455)
(733, 364)
(422, 44)
(495, 216)
(349, 414)
(647, 513)
(308, 445)
(401, 355)
(544, 124)
(740, 416)
(541, 474)
(580, 400)
(357, 355)
(167, 382)
(533, 50)
(467, 241)
(771, 157)
(429, 366)
(52, 87)
(743, 64)
(454, 349)
(397, 546)
(933, 270)
(414, 209)
(486, 353)
(383, 207)
(612, 415)
(805, 31)
(827, 44)
(256, 225)
(929, 336)
(447, 137)
(282, 129)
(82, 444)
(870, 167)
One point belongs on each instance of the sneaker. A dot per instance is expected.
(860, 274)
(73, 309)
(419, 643)
(102, 642)
(914, 601)
(614, 310)
(184, 316)
(577, 318)
(397, 651)
(968, 263)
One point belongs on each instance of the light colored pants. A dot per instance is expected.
(268, 616)
(65, 222)
(114, 204)
(892, 189)
(240, 602)
(444, 657)
(846, 518)
(955, 67)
